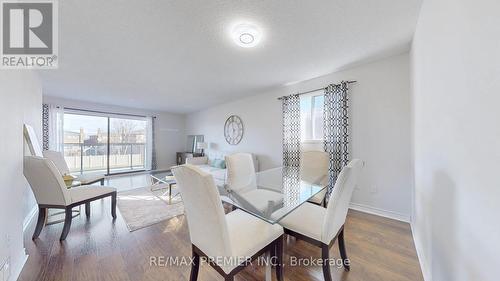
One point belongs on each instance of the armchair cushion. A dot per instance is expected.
(89, 178)
(84, 192)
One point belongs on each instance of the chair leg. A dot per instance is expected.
(325, 255)
(42, 213)
(113, 205)
(102, 181)
(343, 253)
(229, 278)
(195, 266)
(67, 223)
(279, 259)
(87, 209)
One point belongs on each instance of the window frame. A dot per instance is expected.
(109, 116)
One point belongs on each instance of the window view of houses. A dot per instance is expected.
(87, 140)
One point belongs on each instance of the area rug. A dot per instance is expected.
(142, 207)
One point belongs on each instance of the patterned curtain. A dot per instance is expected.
(291, 130)
(52, 127)
(154, 163)
(336, 129)
(45, 126)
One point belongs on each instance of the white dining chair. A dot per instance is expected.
(58, 159)
(320, 226)
(241, 178)
(314, 169)
(50, 192)
(229, 241)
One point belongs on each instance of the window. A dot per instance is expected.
(311, 116)
(107, 143)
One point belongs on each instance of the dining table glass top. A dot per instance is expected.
(274, 193)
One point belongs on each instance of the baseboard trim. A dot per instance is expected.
(418, 247)
(29, 217)
(380, 212)
(16, 272)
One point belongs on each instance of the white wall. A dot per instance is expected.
(380, 124)
(456, 97)
(170, 128)
(21, 99)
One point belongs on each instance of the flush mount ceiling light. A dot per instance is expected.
(246, 35)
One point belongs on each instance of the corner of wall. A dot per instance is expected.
(426, 270)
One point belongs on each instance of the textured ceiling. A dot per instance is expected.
(178, 56)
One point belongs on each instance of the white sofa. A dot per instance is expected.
(219, 174)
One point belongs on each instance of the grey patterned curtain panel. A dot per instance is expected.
(291, 130)
(336, 129)
(45, 126)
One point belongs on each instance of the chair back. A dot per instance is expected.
(314, 166)
(46, 181)
(204, 211)
(240, 171)
(58, 159)
(32, 141)
(336, 211)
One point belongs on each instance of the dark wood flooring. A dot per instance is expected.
(98, 249)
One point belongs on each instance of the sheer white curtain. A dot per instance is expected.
(150, 145)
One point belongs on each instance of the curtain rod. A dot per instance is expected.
(104, 112)
(303, 93)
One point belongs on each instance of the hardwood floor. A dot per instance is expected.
(100, 249)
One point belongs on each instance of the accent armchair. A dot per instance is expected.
(50, 192)
(58, 159)
(229, 240)
(321, 227)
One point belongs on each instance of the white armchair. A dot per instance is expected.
(58, 159)
(228, 239)
(320, 226)
(50, 192)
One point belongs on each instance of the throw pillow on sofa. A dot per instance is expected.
(218, 163)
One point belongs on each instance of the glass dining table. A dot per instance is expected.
(276, 192)
(273, 194)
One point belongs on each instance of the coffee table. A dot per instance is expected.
(161, 180)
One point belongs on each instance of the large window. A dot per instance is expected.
(311, 116)
(104, 143)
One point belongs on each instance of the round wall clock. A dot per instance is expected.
(233, 130)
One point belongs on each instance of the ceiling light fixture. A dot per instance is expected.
(246, 35)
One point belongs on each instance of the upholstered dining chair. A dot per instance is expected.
(50, 192)
(314, 168)
(320, 226)
(228, 241)
(241, 178)
(58, 159)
